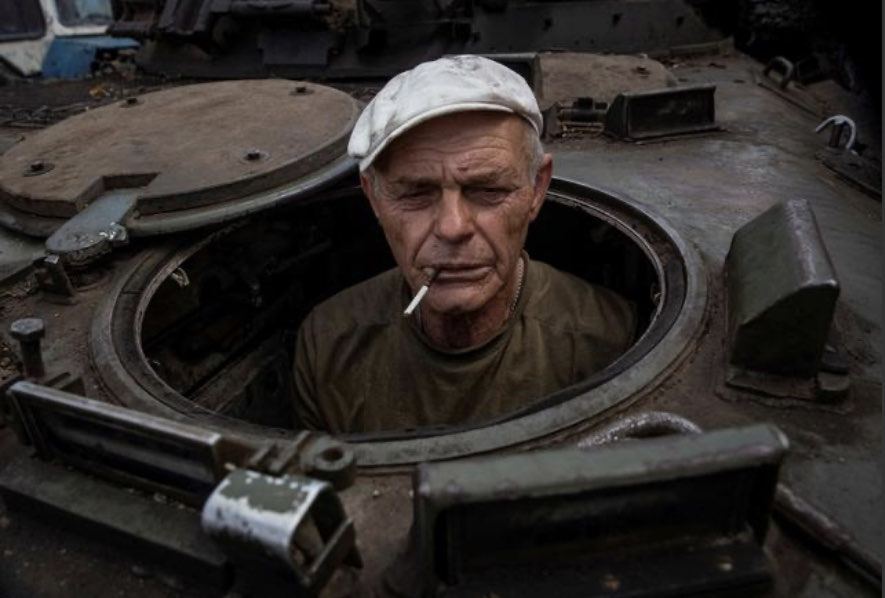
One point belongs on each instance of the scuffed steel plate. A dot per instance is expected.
(191, 146)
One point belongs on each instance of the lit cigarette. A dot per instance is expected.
(421, 292)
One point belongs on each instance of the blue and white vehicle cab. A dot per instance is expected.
(54, 38)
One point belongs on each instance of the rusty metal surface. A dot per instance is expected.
(181, 148)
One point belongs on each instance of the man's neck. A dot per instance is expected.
(461, 331)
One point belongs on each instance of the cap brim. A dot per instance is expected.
(425, 116)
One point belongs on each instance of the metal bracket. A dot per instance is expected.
(794, 94)
(786, 68)
(584, 115)
(290, 523)
(94, 231)
(839, 123)
(844, 160)
(53, 277)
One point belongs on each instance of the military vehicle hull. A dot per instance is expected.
(189, 317)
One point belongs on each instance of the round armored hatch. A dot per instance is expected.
(177, 159)
(205, 330)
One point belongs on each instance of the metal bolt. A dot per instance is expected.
(37, 167)
(610, 582)
(28, 332)
(332, 454)
(254, 155)
(330, 461)
(724, 563)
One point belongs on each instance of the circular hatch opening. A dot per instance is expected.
(206, 328)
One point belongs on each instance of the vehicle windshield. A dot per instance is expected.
(84, 12)
(20, 19)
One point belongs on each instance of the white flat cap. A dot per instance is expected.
(431, 89)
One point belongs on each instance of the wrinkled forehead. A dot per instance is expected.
(465, 138)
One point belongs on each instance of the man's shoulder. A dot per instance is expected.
(561, 299)
(370, 302)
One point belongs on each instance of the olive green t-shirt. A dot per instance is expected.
(360, 366)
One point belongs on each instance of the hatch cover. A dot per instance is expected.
(177, 159)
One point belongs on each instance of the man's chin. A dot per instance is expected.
(455, 302)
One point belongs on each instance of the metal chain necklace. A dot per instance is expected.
(519, 282)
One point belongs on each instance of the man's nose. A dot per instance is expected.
(454, 218)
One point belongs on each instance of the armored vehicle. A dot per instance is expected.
(158, 253)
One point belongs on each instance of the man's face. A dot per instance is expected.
(456, 193)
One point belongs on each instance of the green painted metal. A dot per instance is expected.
(567, 508)
(782, 292)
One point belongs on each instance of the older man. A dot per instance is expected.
(451, 162)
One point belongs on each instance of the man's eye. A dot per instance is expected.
(416, 196)
(487, 194)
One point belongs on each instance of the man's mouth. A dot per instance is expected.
(452, 273)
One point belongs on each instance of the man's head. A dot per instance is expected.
(455, 190)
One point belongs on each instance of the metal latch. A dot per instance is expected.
(291, 523)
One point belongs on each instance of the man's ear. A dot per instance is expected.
(369, 191)
(542, 183)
